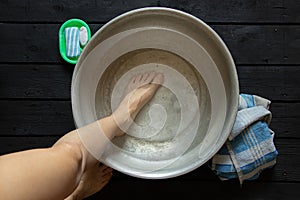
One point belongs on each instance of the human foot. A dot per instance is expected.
(92, 181)
(139, 91)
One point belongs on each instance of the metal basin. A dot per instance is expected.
(190, 116)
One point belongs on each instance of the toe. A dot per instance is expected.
(158, 79)
(151, 77)
(138, 79)
(103, 167)
(108, 170)
(143, 80)
(132, 84)
(100, 164)
(144, 77)
(132, 80)
(106, 177)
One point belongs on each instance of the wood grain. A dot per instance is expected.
(249, 44)
(36, 118)
(149, 189)
(217, 11)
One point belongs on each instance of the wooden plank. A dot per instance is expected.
(261, 44)
(285, 126)
(230, 11)
(283, 171)
(30, 43)
(249, 44)
(36, 81)
(160, 189)
(24, 118)
(36, 118)
(54, 81)
(271, 82)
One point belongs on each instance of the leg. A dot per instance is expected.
(51, 173)
(139, 91)
(56, 172)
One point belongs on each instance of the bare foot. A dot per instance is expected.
(92, 181)
(139, 91)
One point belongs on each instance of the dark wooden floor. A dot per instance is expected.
(263, 36)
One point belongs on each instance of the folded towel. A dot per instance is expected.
(250, 148)
(72, 42)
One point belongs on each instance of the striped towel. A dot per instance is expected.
(250, 148)
(72, 42)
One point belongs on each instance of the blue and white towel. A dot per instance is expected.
(250, 148)
(72, 42)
